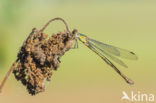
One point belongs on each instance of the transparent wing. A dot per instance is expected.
(109, 49)
(94, 49)
(108, 55)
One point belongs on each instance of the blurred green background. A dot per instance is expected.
(82, 76)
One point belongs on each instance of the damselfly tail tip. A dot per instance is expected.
(129, 81)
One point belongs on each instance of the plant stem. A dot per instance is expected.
(7, 75)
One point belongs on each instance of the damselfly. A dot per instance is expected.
(105, 50)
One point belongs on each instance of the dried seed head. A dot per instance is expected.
(38, 56)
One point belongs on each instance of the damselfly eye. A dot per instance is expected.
(77, 35)
(74, 31)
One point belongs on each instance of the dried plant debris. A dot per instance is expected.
(38, 56)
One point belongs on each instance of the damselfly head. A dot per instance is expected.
(74, 31)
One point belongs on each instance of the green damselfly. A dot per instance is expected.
(104, 50)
